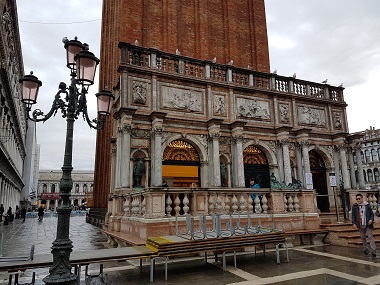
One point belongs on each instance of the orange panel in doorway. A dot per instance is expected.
(179, 171)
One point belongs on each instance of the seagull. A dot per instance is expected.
(294, 75)
(274, 71)
(136, 42)
(341, 85)
(177, 52)
(231, 62)
(213, 60)
(324, 81)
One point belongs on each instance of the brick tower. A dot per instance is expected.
(222, 30)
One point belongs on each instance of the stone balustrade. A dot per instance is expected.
(169, 202)
(151, 58)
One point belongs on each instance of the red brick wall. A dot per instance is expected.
(200, 28)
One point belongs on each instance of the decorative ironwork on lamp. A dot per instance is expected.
(82, 64)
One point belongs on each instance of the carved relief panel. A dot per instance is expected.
(337, 120)
(253, 108)
(284, 113)
(220, 107)
(140, 92)
(180, 99)
(315, 116)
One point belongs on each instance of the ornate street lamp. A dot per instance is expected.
(82, 64)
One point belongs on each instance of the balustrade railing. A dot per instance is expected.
(172, 202)
(224, 73)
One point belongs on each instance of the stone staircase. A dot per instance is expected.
(342, 232)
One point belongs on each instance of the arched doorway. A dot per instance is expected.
(180, 166)
(318, 170)
(256, 166)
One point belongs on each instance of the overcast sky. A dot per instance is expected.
(317, 39)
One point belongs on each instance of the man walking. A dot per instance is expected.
(363, 218)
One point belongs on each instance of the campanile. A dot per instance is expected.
(225, 31)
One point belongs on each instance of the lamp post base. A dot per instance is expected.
(60, 272)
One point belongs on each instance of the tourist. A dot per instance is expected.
(363, 219)
(41, 212)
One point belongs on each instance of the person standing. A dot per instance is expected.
(23, 213)
(2, 210)
(41, 212)
(363, 219)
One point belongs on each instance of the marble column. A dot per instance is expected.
(215, 172)
(299, 163)
(359, 164)
(280, 162)
(126, 155)
(119, 158)
(336, 165)
(352, 169)
(287, 166)
(343, 162)
(157, 157)
(305, 155)
(238, 161)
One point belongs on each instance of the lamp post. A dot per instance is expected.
(82, 65)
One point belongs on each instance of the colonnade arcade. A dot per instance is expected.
(9, 193)
(215, 160)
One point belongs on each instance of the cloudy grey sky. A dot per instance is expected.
(317, 39)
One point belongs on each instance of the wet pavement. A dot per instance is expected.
(308, 264)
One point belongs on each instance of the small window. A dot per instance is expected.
(370, 175)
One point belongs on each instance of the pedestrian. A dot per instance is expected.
(23, 213)
(10, 215)
(41, 212)
(2, 210)
(363, 219)
(17, 212)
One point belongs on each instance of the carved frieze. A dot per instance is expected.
(253, 108)
(182, 99)
(139, 143)
(311, 116)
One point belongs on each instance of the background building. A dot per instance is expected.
(13, 120)
(365, 172)
(49, 193)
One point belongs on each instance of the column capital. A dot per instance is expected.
(157, 131)
(214, 135)
(238, 138)
(304, 143)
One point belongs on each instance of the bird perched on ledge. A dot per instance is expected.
(231, 62)
(274, 71)
(294, 75)
(213, 60)
(341, 85)
(324, 81)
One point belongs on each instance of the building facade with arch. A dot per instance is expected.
(195, 122)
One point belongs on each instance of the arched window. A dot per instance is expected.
(85, 188)
(76, 188)
(374, 155)
(44, 188)
(370, 175)
(357, 175)
(376, 174)
(354, 156)
(367, 156)
(365, 175)
(52, 188)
